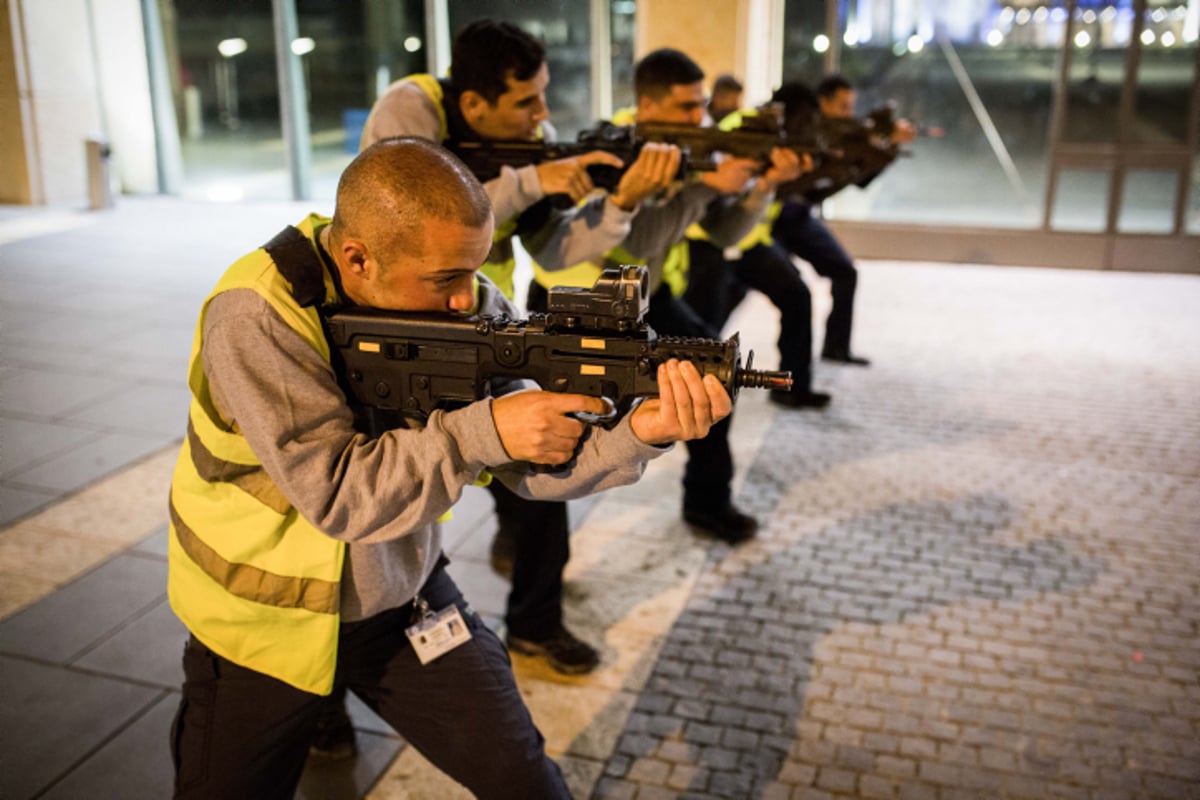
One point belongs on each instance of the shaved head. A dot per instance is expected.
(395, 186)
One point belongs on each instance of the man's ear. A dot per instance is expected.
(472, 105)
(356, 256)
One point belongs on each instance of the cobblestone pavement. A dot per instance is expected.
(981, 568)
(977, 575)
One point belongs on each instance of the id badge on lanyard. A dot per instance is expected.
(434, 634)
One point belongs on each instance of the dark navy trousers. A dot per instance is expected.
(241, 734)
(798, 231)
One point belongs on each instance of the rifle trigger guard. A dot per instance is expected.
(596, 419)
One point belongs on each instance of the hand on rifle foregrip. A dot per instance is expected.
(786, 165)
(656, 167)
(731, 175)
(904, 132)
(686, 408)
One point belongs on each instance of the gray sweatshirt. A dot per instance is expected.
(568, 238)
(381, 496)
(662, 222)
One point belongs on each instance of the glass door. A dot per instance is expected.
(1125, 127)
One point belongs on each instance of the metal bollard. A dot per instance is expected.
(99, 178)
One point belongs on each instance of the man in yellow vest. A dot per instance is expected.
(495, 91)
(800, 231)
(305, 555)
(717, 285)
(727, 202)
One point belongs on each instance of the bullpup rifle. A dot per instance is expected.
(590, 341)
(755, 139)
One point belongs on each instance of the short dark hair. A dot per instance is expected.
(390, 189)
(800, 106)
(655, 74)
(832, 84)
(487, 51)
(726, 83)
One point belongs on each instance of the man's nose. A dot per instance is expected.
(463, 300)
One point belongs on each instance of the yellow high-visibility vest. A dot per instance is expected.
(248, 575)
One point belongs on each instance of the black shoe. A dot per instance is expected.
(805, 399)
(845, 357)
(562, 651)
(728, 524)
(334, 736)
(504, 547)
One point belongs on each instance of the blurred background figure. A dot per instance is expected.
(726, 97)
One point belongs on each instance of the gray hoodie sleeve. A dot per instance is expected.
(406, 110)
(730, 219)
(582, 233)
(283, 396)
(658, 225)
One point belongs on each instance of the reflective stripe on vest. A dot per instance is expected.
(248, 575)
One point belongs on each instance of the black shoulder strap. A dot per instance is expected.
(299, 263)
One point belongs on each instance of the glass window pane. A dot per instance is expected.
(565, 28)
(1165, 75)
(622, 21)
(804, 40)
(1148, 201)
(227, 99)
(1192, 217)
(981, 76)
(1081, 200)
(1099, 40)
(350, 53)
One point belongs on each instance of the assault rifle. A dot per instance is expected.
(590, 341)
(859, 149)
(485, 159)
(756, 138)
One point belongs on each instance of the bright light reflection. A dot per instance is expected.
(1082, 39)
(851, 36)
(1040, 15)
(231, 47)
(1158, 15)
(412, 44)
(1006, 16)
(820, 43)
(1147, 36)
(995, 38)
(225, 193)
(1023, 16)
(1058, 14)
(303, 45)
(1167, 39)
(1108, 14)
(1089, 16)
(915, 44)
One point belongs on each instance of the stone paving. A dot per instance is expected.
(977, 577)
(981, 570)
